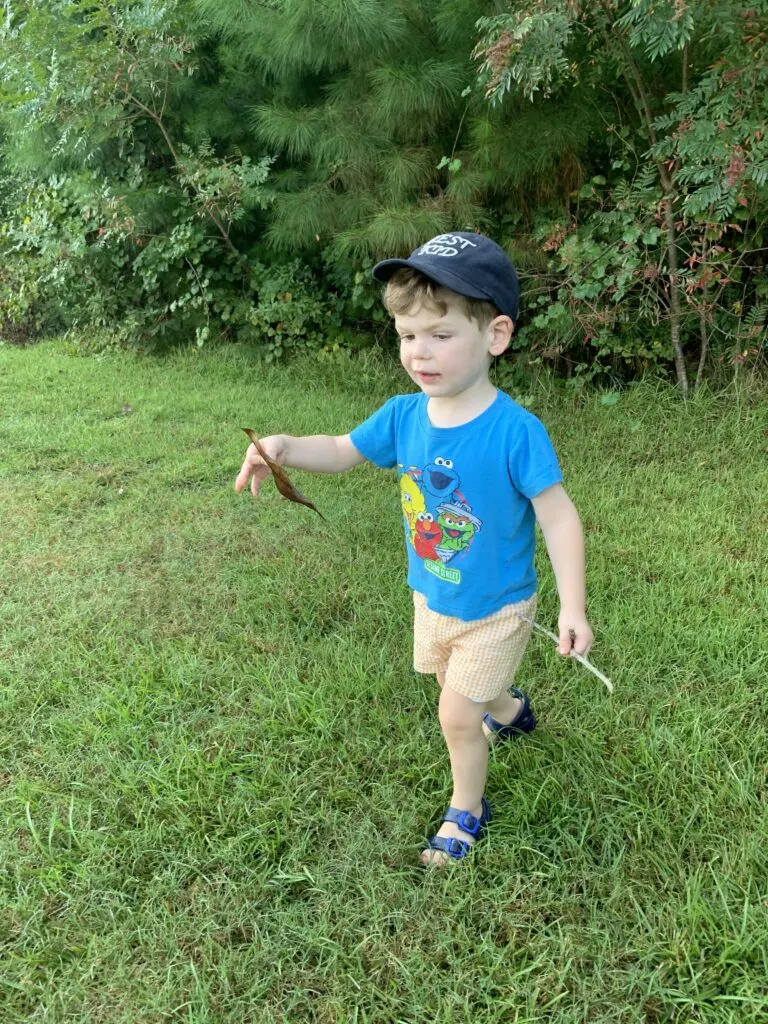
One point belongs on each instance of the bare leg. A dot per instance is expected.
(461, 720)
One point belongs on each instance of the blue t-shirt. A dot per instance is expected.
(465, 493)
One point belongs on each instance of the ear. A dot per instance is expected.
(499, 335)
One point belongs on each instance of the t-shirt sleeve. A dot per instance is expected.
(376, 437)
(533, 464)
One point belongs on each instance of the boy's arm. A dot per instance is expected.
(561, 526)
(319, 453)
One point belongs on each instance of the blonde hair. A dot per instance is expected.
(409, 289)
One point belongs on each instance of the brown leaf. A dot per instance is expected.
(282, 481)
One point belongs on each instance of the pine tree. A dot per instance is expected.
(380, 139)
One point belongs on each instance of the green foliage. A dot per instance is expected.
(716, 134)
(80, 75)
(133, 254)
(292, 314)
(525, 50)
(663, 259)
(173, 170)
(601, 315)
(379, 152)
(110, 219)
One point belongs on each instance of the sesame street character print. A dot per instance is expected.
(411, 500)
(428, 535)
(441, 480)
(458, 526)
(439, 521)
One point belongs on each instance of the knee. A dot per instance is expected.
(459, 716)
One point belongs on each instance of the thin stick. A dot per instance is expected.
(573, 654)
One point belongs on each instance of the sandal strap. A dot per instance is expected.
(473, 826)
(468, 822)
(525, 720)
(455, 848)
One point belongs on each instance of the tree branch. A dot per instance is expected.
(154, 116)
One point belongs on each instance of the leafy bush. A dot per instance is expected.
(675, 243)
(134, 256)
(625, 170)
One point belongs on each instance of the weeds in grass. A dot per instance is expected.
(218, 764)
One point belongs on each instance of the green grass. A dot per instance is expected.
(218, 765)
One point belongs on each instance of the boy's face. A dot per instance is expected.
(449, 355)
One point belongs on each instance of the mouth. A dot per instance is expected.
(427, 378)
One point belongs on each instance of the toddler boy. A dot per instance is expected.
(476, 473)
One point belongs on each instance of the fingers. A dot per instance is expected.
(246, 473)
(565, 643)
(574, 641)
(242, 477)
(581, 647)
(254, 469)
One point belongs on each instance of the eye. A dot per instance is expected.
(442, 337)
(439, 461)
(461, 522)
(406, 497)
(448, 463)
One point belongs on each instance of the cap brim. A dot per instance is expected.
(384, 270)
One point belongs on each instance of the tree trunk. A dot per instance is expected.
(674, 294)
(704, 345)
(639, 93)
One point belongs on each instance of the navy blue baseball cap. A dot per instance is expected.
(470, 264)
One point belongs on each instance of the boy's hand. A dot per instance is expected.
(575, 634)
(254, 468)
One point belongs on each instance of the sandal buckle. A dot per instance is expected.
(455, 848)
(468, 823)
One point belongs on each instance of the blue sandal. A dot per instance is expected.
(524, 722)
(458, 848)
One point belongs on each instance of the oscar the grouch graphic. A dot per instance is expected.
(458, 526)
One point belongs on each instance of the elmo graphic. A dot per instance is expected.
(427, 536)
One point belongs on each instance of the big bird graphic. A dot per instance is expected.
(411, 500)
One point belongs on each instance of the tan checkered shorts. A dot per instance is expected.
(479, 658)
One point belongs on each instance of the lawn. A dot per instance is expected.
(218, 765)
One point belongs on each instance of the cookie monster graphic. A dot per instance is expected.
(439, 521)
(441, 479)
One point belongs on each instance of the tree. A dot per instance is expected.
(105, 181)
(696, 77)
(381, 139)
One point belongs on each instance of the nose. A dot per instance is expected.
(420, 347)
